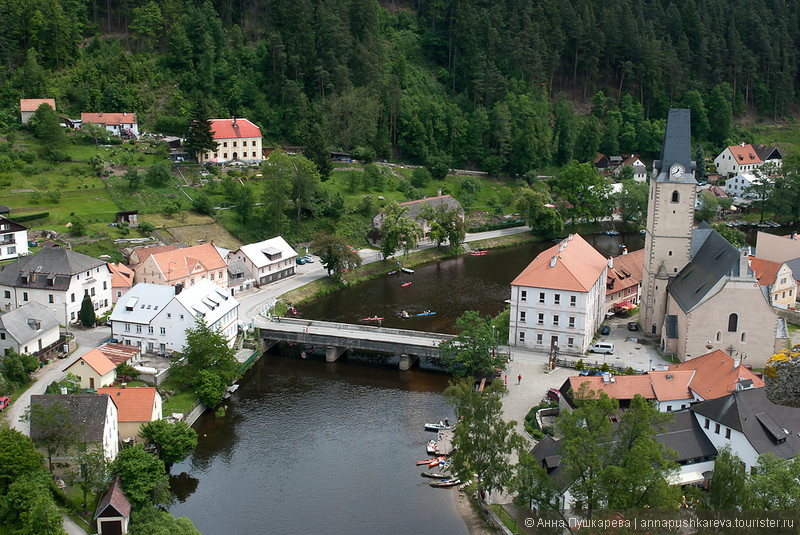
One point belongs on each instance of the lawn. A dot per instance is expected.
(182, 401)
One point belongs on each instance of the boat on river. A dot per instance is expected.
(479, 252)
(431, 448)
(442, 424)
(445, 483)
(434, 475)
(373, 318)
(426, 313)
(611, 232)
(407, 270)
(404, 284)
(428, 461)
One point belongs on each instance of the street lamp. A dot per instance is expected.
(651, 365)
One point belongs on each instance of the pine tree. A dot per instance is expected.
(199, 138)
(86, 314)
(317, 151)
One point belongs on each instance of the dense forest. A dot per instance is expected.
(492, 84)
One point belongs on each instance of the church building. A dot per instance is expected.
(698, 292)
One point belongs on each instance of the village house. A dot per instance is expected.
(737, 159)
(13, 239)
(741, 184)
(558, 300)
(94, 418)
(777, 279)
(136, 406)
(624, 283)
(28, 106)
(113, 511)
(184, 267)
(93, 370)
(30, 329)
(716, 374)
(414, 210)
(155, 317)
(58, 278)
(140, 254)
(770, 156)
(238, 140)
(777, 248)
(266, 261)
(634, 162)
(121, 280)
(119, 124)
(239, 277)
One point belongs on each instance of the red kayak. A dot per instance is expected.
(406, 284)
(373, 318)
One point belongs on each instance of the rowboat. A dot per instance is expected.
(427, 461)
(434, 475)
(392, 272)
(373, 318)
(407, 270)
(436, 462)
(437, 426)
(444, 483)
(432, 447)
(479, 252)
(611, 232)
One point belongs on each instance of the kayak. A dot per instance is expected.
(426, 313)
(373, 318)
(406, 284)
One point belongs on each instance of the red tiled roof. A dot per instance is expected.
(115, 498)
(143, 253)
(716, 375)
(98, 361)
(765, 270)
(623, 387)
(121, 275)
(114, 119)
(744, 154)
(180, 263)
(233, 128)
(671, 384)
(133, 404)
(577, 267)
(627, 271)
(32, 104)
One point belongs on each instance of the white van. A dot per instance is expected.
(602, 347)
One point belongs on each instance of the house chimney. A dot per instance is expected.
(741, 144)
(553, 261)
(744, 261)
(569, 237)
(610, 262)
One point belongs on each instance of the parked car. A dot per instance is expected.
(633, 326)
(301, 260)
(606, 330)
(4, 400)
(553, 394)
(308, 258)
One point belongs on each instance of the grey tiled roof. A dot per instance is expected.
(88, 413)
(676, 148)
(547, 453)
(50, 263)
(767, 426)
(684, 436)
(27, 322)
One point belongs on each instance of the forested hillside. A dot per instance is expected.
(485, 83)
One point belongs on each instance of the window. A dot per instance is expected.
(555, 319)
(50, 298)
(570, 342)
(539, 338)
(149, 329)
(244, 143)
(254, 154)
(716, 429)
(92, 292)
(72, 298)
(138, 328)
(127, 327)
(169, 315)
(783, 295)
(181, 316)
(163, 330)
(12, 249)
(733, 323)
(523, 295)
(573, 300)
(572, 322)
(676, 196)
(212, 276)
(783, 280)
(7, 294)
(234, 143)
(727, 432)
(557, 299)
(669, 408)
(522, 336)
(719, 336)
(522, 317)
(541, 319)
(105, 285)
(541, 297)
(24, 296)
(744, 337)
(225, 144)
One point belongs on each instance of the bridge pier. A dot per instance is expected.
(406, 361)
(332, 353)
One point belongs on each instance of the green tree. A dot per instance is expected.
(773, 483)
(199, 137)
(735, 236)
(56, 429)
(420, 177)
(542, 219)
(700, 160)
(173, 441)
(90, 471)
(133, 177)
(86, 314)
(534, 489)
(143, 477)
(632, 201)
(95, 131)
(335, 254)
(18, 456)
(301, 175)
(205, 349)
(245, 203)
(158, 174)
(445, 226)
(588, 142)
(147, 23)
(709, 207)
(720, 114)
(316, 150)
(154, 521)
(397, 230)
(729, 490)
(482, 441)
(473, 352)
(581, 186)
(210, 388)
(29, 506)
(46, 126)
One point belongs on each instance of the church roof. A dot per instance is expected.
(677, 147)
(714, 259)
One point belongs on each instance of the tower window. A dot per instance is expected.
(733, 323)
(676, 196)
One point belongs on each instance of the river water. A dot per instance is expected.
(315, 447)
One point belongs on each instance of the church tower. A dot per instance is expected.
(670, 219)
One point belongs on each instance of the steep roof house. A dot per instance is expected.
(28, 107)
(13, 239)
(93, 416)
(185, 267)
(113, 511)
(94, 370)
(624, 281)
(31, 329)
(639, 168)
(238, 140)
(266, 261)
(558, 299)
(769, 155)
(736, 159)
(120, 124)
(777, 279)
(58, 278)
(135, 407)
(121, 280)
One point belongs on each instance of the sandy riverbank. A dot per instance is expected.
(473, 520)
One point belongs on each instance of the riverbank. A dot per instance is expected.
(475, 522)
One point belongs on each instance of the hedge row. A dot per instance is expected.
(29, 217)
(496, 226)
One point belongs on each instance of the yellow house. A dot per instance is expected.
(94, 370)
(778, 279)
(135, 407)
(237, 139)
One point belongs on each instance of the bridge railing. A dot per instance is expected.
(350, 327)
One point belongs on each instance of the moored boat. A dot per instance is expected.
(407, 270)
(428, 461)
(404, 284)
(479, 252)
(434, 475)
(431, 448)
(445, 483)
(426, 313)
(436, 462)
(373, 318)
(445, 424)
(611, 232)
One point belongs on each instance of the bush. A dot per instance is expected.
(420, 177)
(580, 365)
(146, 227)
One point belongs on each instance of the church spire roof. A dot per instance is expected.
(676, 149)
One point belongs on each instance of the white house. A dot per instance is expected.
(58, 278)
(638, 166)
(28, 106)
(155, 317)
(238, 139)
(28, 329)
(267, 261)
(737, 186)
(116, 123)
(736, 159)
(750, 424)
(558, 299)
(13, 239)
